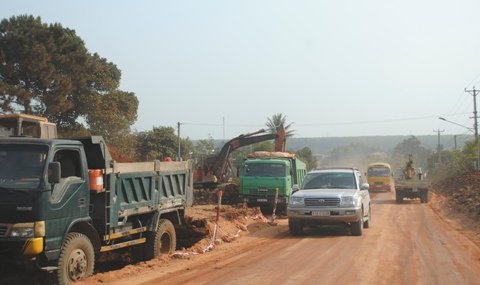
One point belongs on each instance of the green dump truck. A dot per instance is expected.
(264, 172)
(65, 201)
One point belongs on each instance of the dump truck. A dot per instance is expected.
(63, 202)
(410, 183)
(264, 173)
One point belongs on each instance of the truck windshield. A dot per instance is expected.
(265, 170)
(21, 165)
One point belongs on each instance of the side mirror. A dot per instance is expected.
(54, 172)
(365, 186)
(295, 188)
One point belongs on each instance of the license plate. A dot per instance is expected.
(262, 200)
(320, 213)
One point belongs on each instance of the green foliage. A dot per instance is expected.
(206, 146)
(122, 113)
(46, 70)
(305, 154)
(410, 146)
(454, 162)
(159, 143)
(263, 146)
(277, 120)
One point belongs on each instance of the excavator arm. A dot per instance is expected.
(217, 166)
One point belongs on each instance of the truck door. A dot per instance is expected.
(69, 199)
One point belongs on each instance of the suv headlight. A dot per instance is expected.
(349, 201)
(296, 201)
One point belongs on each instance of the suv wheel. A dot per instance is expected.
(357, 227)
(366, 224)
(295, 227)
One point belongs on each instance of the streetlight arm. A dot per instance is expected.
(443, 119)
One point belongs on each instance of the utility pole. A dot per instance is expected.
(438, 146)
(474, 93)
(178, 155)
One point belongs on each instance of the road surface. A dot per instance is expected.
(407, 243)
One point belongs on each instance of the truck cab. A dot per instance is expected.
(27, 126)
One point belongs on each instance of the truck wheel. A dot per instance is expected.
(295, 228)
(399, 197)
(426, 197)
(357, 227)
(163, 241)
(422, 198)
(77, 259)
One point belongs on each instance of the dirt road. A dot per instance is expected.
(409, 243)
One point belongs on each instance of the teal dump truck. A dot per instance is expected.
(264, 172)
(65, 201)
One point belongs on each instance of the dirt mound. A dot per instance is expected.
(461, 192)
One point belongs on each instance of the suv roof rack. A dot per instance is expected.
(329, 168)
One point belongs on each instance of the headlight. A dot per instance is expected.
(23, 230)
(28, 230)
(296, 201)
(349, 201)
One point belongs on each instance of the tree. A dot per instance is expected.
(46, 70)
(277, 120)
(159, 143)
(305, 154)
(410, 146)
(122, 114)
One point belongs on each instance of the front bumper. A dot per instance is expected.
(264, 201)
(324, 215)
(20, 246)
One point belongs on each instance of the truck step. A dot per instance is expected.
(123, 234)
(122, 244)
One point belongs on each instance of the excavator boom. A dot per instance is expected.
(216, 169)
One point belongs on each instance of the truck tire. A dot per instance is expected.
(77, 259)
(426, 196)
(399, 197)
(163, 241)
(357, 227)
(295, 228)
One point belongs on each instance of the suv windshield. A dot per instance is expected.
(329, 180)
(21, 166)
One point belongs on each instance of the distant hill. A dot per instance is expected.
(325, 145)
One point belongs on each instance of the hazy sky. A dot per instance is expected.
(334, 68)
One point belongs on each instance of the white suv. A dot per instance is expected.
(330, 196)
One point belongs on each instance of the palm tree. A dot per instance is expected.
(277, 120)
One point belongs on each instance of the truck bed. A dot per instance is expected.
(419, 184)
